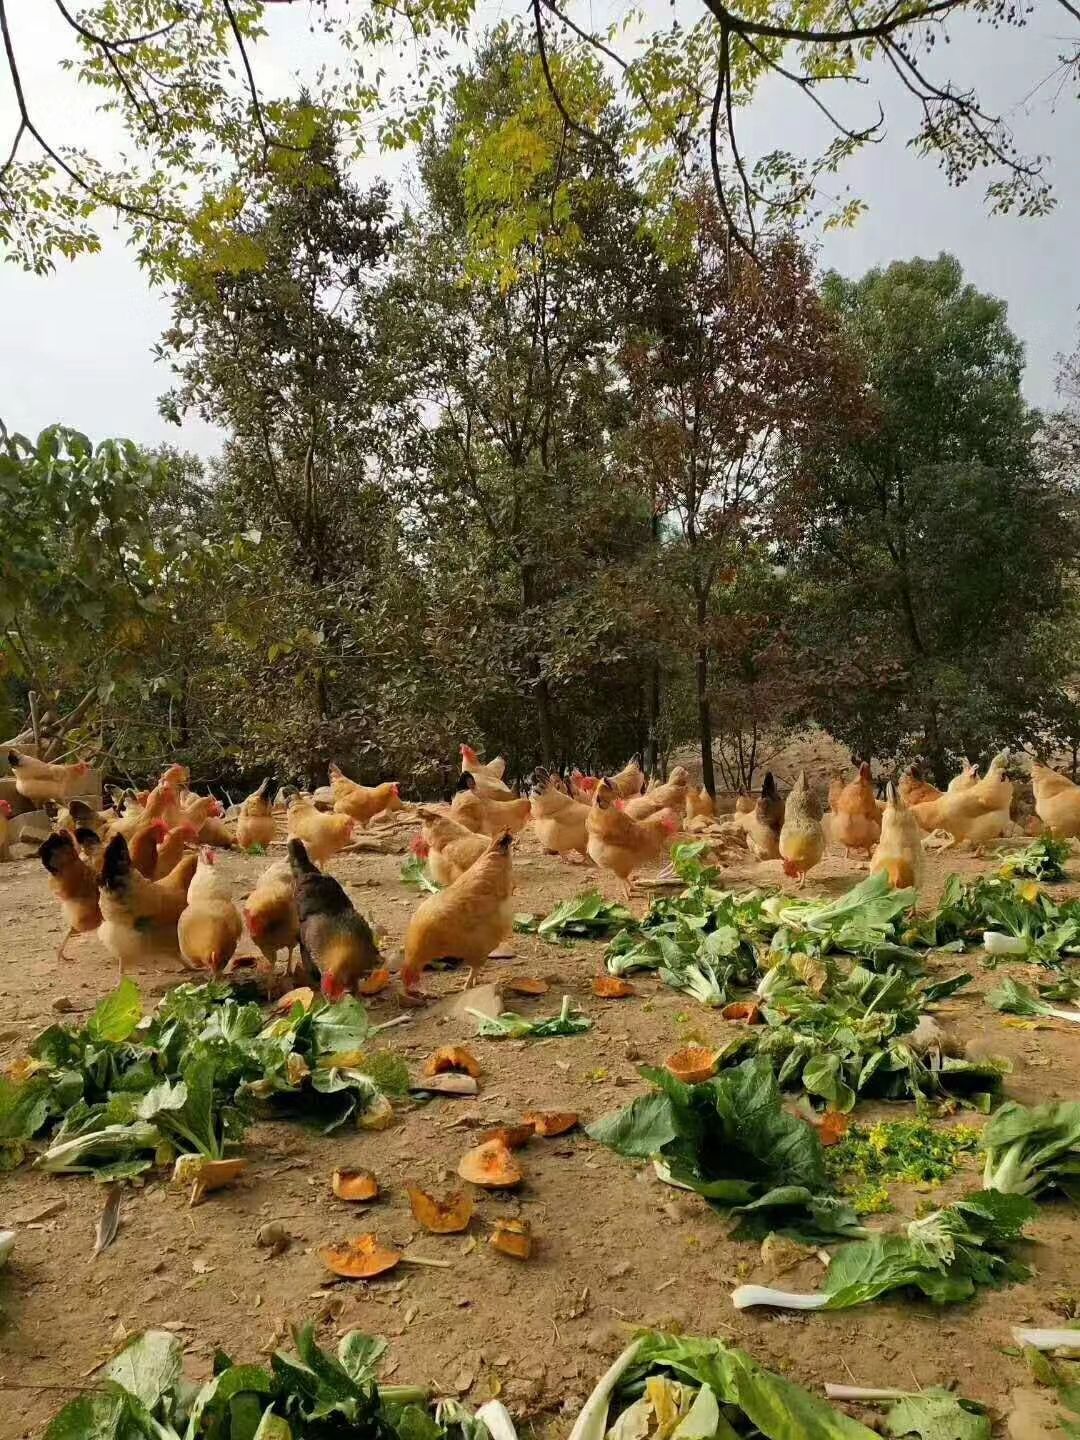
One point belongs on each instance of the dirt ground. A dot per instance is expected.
(616, 1247)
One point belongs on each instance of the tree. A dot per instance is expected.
(504, 350)
(81, 567)
(931, 545)
(182, 82)
(274, 341)
(743, 361)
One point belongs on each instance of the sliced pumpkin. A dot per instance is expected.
(742, 1010)
(834, 1126)
(354, 1185)
(453, 1057)
(359, 1259)
(379, 1115)
(512, 1136)
(512, 1237)
(303, 995)
(375, 983)
(450, 1083)
(612, 987)
(692, 1065)
(551, 1122)
(491, 1166)
(526, 985)
(447, 1216)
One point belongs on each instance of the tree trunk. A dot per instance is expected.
(708, 775)
(547, 731)
(652, 718)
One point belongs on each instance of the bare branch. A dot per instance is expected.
(723, 78)
(252, 88)
(129, 207)
(806, 85)
(568, 119)
(748, 199)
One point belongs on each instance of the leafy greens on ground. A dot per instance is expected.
(690, 1388)
(1032, 1149)
(584, 917)
(511, 1026)
(301, 1396)
(121, 1094)
(730, 1140)
(946, 1256)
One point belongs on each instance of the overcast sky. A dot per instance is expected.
(75, 345)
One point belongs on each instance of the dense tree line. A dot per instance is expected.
(506, 467)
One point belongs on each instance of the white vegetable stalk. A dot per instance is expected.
(744, 1297)
(591, 1424)
(864, 1392)
(497, 1418)
(995, 943)
(1047, 1339)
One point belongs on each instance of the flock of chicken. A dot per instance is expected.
(144, 877)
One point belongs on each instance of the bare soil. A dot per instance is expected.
(616, 1248)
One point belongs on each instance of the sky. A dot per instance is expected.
(75, 346)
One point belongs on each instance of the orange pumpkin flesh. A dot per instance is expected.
(512, 1237)
(692, 1065)
(742, 1010)
(612, 987)
(447, 1216)
(359, 1259)
(303, 996)
(354, 1185)
(490, 1166)
(453, 1057)
(833, 1127)
(512, 1136)
(526, 985)
(551, 1122)
(375, 983)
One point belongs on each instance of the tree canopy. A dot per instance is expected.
(201, 138)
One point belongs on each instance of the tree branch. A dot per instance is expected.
(568, 119)
(252, 88)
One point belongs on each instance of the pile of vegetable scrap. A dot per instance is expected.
(511, 1026)
(946, 1256)
(662, 1387)
(730, 1140)
(584, 917)
(121, 1094)
(675, 1387)
(1044, 859)
(298, 1397)
(840, 1037)
(1010, 919)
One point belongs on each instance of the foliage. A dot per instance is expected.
(126, 1095)
(184, 88)
(301, 1396)
(865, 1162)
(1030, 1149)
(931, 541)
(737, 360)
(946, 1256)
(730, 1140)
(83, 571)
